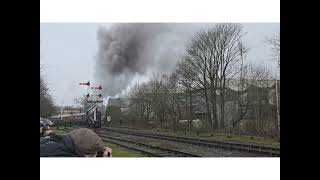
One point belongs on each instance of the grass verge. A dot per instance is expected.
(218, 137)
(118, 151)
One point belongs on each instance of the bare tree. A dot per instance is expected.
(240, 102)
(274, 41)
(185, 80)
(211, 57)
(141, 101)
(259, 84)
(157, 100)
(229, 51)
(173, 103)
(160, 97)
(47, 107)
(197, 56)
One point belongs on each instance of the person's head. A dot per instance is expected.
(87, 141)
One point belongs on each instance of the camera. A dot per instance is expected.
(100, 153)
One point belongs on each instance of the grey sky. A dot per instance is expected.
(68, 54)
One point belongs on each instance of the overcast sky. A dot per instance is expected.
(68, 54)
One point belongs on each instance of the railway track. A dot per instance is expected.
(153, 151)
(149, 150)
(256, 149)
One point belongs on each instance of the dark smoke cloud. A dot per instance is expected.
(130, 50)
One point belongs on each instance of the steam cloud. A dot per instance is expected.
(130, 51)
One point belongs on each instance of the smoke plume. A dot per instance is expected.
(130, 51)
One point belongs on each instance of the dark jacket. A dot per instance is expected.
(58, 146)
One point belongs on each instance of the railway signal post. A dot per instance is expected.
(93, 114)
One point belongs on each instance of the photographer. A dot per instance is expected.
(80, 142)
(44, 127)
